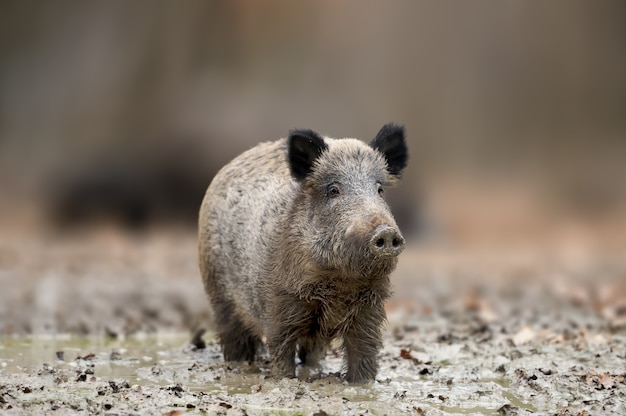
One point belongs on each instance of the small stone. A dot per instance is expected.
(508, 410)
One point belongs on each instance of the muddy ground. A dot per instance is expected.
(101, 323)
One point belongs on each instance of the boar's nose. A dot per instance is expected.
(386, 241)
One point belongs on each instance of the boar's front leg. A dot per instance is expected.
(289, 322)
(362, 343)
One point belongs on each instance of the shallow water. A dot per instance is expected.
(166, 360)
(147, 372)
(24, 354)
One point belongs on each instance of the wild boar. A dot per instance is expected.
(296, 245)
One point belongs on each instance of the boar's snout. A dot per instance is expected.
(386, 241)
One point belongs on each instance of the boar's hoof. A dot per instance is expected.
(386, 242)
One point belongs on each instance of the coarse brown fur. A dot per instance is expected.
(296, 246)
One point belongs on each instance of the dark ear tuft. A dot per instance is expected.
(305, 146)
(390, 142)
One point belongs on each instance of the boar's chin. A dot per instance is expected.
(363, 266)
(378, 266)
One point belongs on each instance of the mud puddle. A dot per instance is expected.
(164, 372)
(421, 373)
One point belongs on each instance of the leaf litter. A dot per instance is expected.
(464, 336)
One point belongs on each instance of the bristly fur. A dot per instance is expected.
(284, 259)
(390, 142)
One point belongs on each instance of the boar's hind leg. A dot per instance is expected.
(238, 342)
(310, 351)
(362, 343)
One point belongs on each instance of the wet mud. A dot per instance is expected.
(467, 334)
(430, 365)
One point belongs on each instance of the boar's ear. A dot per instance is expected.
(390, 142)
(304, 147)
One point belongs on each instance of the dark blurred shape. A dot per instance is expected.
(408, 210)
(134, 189)
(197, 342)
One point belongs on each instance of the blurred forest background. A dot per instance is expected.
(119, 113)
(131, 108)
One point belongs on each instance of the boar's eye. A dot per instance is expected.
(332, 191)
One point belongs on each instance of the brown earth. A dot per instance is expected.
(491, 330)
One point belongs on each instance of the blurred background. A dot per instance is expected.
(114, 116)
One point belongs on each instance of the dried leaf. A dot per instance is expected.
(523, 336)
(606, 380)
